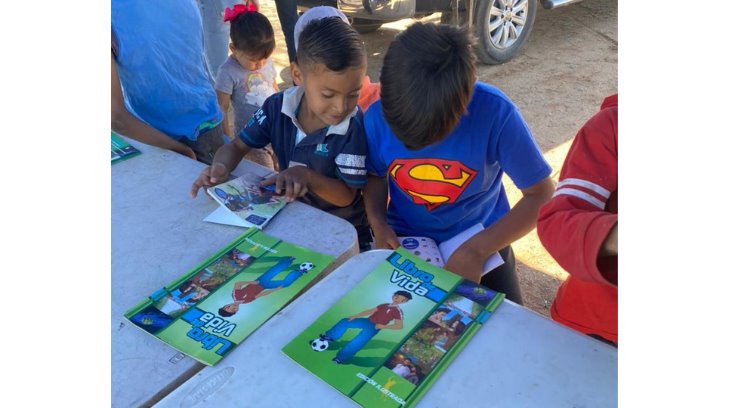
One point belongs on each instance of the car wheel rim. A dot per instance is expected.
(507, 19)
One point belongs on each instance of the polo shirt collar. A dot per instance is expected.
(290, 107)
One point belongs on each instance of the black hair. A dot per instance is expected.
(224, 313)
(443, 309)
(252, 33)
(427, 80)
(332, 43)
(403, 294)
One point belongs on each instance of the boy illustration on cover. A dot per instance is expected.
(378, 318)
(248, 291)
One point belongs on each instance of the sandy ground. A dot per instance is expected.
(567, 67)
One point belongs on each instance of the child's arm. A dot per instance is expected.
(375, 200)
(267, 292)
(226, 159)
(396, 325)
(127, 124)
(238, 285)
(363, 313)
(224, 103)
(469, 258)
(575, 226)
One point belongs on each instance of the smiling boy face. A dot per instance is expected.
(330, 96)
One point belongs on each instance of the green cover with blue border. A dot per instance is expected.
(388, 339)
(121, 150)
(257, 273)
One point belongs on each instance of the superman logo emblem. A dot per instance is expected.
(431, 182)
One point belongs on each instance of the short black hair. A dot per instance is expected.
(403, 294)
(427, 80)
(224, 313)
(252, 33)
(330, 42)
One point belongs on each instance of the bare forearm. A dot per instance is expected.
(230, 154)
(365, 313)
(126, 124)
(332, 190)
(375, 200)
(226, 124)
(521, 219)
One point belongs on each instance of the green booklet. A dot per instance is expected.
(388, 339)
(212, 308)
(120, 149)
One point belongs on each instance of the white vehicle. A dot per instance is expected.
(500, 26)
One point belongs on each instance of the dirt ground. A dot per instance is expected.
(559, 79)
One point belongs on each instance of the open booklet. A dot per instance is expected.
(389, 338)
(120, 149)
(212, 308)
(243, 202)
(427, 249)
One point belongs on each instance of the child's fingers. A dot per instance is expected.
(195, 188)
(268, 181)
(290, 190)
(202, 181)
(218, 172)
(280, 185)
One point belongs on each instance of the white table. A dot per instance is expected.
(157, 234)
(518, 359)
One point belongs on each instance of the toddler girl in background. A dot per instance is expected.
(247, 77)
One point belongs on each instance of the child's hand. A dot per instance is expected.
(292, 183)
(212, 175)
(385, 237)
(186, 151)
(466, 262)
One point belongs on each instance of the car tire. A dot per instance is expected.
(364, 26)
(496, 46)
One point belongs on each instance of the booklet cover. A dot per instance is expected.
(212, 308)
(120, 149)
(388, 339)
(246, 203)
(438, 254)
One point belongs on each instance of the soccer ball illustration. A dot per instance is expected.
(319, 344)
(306, 266)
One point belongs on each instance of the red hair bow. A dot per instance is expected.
(239, 9)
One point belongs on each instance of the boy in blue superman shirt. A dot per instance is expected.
(438, 144)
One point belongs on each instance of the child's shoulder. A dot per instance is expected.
(230, 65)
(489, 93)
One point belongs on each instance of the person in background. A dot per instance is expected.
(217, 32)
(161, 91)
(579, 228)
(247, 77)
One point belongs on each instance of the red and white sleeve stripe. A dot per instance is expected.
(584, 190)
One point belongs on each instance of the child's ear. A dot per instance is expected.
(296, 75)
(232, 49)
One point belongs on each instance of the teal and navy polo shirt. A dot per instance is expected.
(337, 151)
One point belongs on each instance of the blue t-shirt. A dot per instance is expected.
(158, 48)
(449, 186)
(336, 152)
